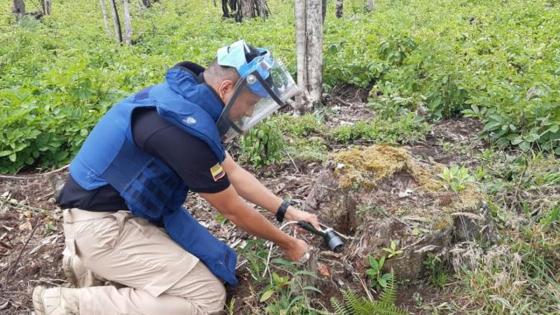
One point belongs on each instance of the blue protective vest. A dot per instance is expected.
(150, 188)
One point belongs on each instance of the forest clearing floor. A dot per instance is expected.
(32, 241)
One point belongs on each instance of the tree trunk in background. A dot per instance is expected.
(104, 12)
(240, 9)
(309, 49)
(19, 9)
(46, 4)
(302, 102)
(339, 8)
(314, 34)
(127, 38)
(116, 21)
(148, 3)
(225, 8)
(370, 5)
(323, 10)
(262, 8)
(247, 8)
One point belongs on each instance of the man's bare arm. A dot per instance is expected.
(254, 191)
(229, 203)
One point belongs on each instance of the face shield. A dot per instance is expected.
(269, 86)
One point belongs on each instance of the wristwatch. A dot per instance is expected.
(282, 210)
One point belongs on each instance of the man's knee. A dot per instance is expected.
(216, 299)
(201, 288)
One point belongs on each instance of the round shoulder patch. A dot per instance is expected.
(189, 120)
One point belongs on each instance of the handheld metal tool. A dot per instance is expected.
(333, 241)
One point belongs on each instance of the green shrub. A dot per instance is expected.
(405, 128)
(437, 270)
(299, 126)
(456, 178)
(263, 144)
(493, 60)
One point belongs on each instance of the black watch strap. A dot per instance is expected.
(282, 210)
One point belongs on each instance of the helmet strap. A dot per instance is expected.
(224, 123)
(268, 89)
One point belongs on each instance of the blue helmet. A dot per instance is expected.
(247, 60)
(263, 76)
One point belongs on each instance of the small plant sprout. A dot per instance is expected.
(392, 249)
(288, 293)
(456, 178)
(278, 283)
(438, 275)
(376, 274)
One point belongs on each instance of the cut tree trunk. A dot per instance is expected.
(240, 9)
(309, 49)
(301, 45)
(104, 12)
(339, 8)
(19, 9)
(116, 22)
(148, 3)
(247, 8)
(315, 49)
(370, 5)
(323, 10)
(46, 4)
(127, 38)
(262, 8)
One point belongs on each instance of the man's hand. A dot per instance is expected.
(296, 250)
(241, 214)
(294, 214)
(252, 190)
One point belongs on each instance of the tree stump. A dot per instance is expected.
(381, 194)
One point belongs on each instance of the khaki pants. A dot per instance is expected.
(159, 277)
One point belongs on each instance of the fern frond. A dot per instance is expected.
(353, 301)
(378, 308)
(389, 294)
(355, 305)
(367, 307)
(389, 309)
(340, 308)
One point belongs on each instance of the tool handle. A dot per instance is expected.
(309, 227)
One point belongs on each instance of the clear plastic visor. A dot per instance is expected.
(281, 87)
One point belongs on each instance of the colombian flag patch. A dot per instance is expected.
(217, 172)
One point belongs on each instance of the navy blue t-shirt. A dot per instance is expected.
(190, 157)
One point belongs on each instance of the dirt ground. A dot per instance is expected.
(31, 236)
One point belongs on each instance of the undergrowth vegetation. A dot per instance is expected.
(421, 61)
(519, 274)
(493, 60)
(355, 305)
(262, 145)
(407, 128)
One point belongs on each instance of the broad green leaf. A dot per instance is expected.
(266, 295)
(5, 153)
